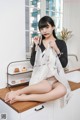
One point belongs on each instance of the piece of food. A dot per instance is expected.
(16, 70)
(24, 69)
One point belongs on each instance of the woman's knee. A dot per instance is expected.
(63, 90)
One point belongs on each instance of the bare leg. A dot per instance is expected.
(39, 88)
(42, 87)
(58, 92)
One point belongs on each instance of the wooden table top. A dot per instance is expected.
(18, 106)
(23, 106)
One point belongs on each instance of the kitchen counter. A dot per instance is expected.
(22, 106)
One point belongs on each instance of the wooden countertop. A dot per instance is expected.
(23, 106)
(18, 106)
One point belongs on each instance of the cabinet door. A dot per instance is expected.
(41, 112)
(7, 113)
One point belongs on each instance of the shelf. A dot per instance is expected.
(17, 73)
(18, 82)
(14, 77)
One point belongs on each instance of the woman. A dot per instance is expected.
(48, 80)
(59, 45)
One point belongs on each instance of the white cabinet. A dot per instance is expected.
(46, 111)
(10, 113)
(40, 112)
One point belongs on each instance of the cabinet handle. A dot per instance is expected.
(39, 108)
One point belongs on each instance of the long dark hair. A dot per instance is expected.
(43, 22)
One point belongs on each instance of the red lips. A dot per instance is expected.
(46, 34)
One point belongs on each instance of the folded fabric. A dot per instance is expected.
(73, 76)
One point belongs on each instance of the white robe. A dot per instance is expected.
(47, 64)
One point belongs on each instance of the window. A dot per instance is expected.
(34, 10)
(32, 16)
(54, 8)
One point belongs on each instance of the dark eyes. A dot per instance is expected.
(47, 26)
(44, 27)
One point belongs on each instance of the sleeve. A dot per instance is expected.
(32, 59)
(63, 57)
(33, 54)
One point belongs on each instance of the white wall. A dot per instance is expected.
(12, 33)
(71, 20)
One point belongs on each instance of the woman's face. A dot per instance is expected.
(47, 31)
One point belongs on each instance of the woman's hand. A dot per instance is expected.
(36, 40)
(54, 46)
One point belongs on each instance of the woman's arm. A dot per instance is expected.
(63, 56)
(61, 49)
(32, 59)
(36, 41)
